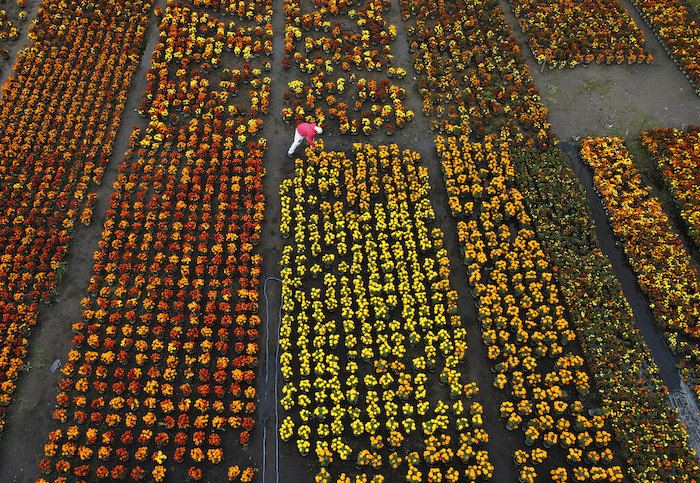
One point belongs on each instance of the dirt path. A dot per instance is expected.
(635, 297)
(613, 100)
(277, 168)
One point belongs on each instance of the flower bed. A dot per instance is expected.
(471, 73)
(678, 30)
(654, 443)
(165, 359)
(174, 97)
(329, 44)
(573, 33)
(677, 155)
(377, 106)
(656, 253)
(59, 114)
(368, 318)
(523, 323)
(363, 44)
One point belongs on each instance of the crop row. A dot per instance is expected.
(58, 119)
(368, 317)
(677, 155)
(653, 442)
(657, 255)
(164, 363)
(567, 34)
(523, 324)
(678, 30)
(663, 267)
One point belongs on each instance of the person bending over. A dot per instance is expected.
(305, 130)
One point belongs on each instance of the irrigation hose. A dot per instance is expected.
(267, 373)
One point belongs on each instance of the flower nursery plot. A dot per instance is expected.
(656, 253)
(330, 42)
(471, 73)
(523, 324)
(369, 317)
(150, 217)
(59, 114)
(165, 358)
(627, 379)
(568, 33)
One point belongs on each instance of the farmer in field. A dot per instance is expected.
(305, 130)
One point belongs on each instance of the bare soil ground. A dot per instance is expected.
(597, 100)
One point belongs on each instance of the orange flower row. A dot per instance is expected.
(59, 117)
(165, 358)
(656, 253)
(677, 154)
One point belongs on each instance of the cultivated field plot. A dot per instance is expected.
(440, 291)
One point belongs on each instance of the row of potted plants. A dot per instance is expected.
(663, 267)
(471, 73)
(522, 321)
(656, 253)
(360, 343)
(52, 150)
(323, 102)
(366, 46)
(164, 362)
(245, 10)
(677, 29)
(653, 441)
(573, 33)
(677, 155)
